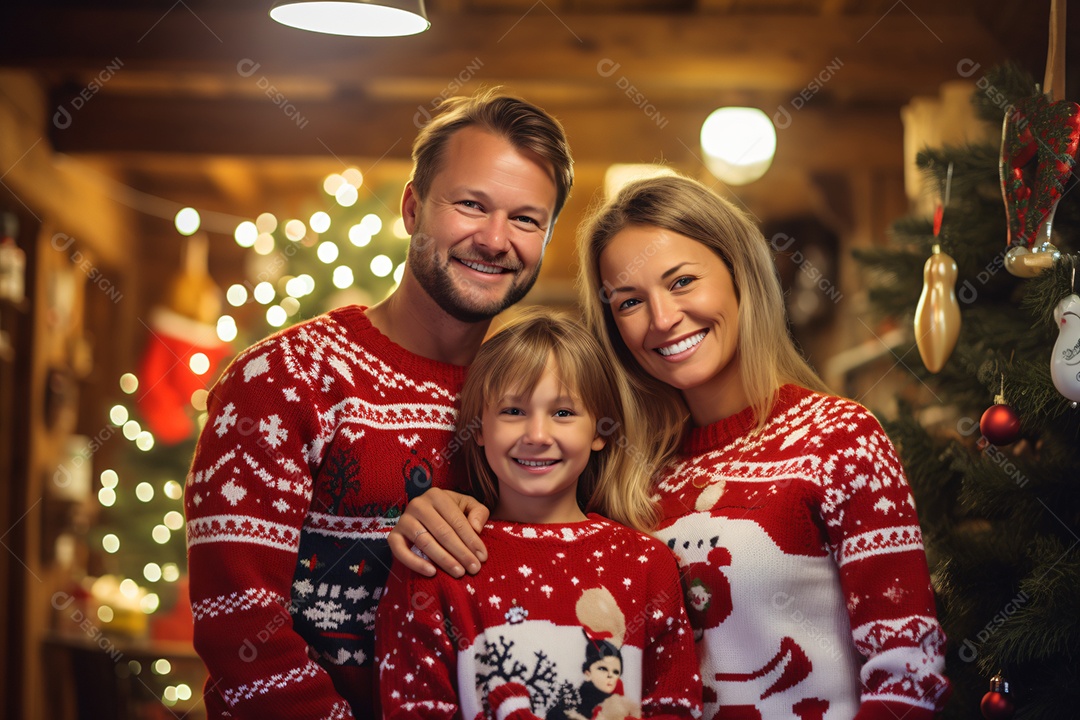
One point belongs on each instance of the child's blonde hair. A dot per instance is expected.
(512, 362)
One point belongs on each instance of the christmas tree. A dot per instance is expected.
(349, 248)
(998, 500)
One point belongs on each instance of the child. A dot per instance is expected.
(538, 410)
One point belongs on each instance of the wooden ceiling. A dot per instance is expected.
(212, 102)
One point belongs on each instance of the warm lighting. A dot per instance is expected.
(381, 266)
(187, 221)
(343, 277)
(236, 295)
(118, 415)
(360, 18)
(327, 252)
(346, 195)
(618, 176)
(371, 224)
(738, 144)
(129, 383)
(245, 234)
(276, 316)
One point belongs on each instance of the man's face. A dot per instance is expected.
(478, 237)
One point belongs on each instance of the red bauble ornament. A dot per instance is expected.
(1000, 424)
(996, 704)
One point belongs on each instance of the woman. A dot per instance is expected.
(802, 562)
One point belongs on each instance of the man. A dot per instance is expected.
(318, 436)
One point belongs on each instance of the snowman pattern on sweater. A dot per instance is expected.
(803, 567)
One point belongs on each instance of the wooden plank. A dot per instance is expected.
(815, 139)
(883, 58)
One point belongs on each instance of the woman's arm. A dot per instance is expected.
(445, 526)
(874, 532)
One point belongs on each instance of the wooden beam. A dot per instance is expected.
(880, 59)
(811, 138)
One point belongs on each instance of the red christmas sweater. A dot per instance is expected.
(564, 621)
(803, 567)
(315, 440)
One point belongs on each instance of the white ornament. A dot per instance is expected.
(1065, 362)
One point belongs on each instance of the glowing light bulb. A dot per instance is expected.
(381, 266)
(245, 234)
(187, 221)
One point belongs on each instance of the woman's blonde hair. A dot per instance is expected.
(684, 206)
(512, 362)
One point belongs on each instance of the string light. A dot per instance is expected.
(152, 572)
(199, 363)
(358, 236)
(371, 223)
(266, 223)
(118, 415)
(264, 244)
(161, 534)
(237, 295)
(187, 221)
(129, 383)
(107, 497)
(331, 183)
(109, 478)
(320, 222)
(295, 230)
(381, 266)
(132, 429)
(346, 195)
(226, 328)
(343, 277)
(264, 293)
(110, 543)
(276, 316)
(173, 490)
(245, 234)
(144, 491)
(327, 252)
(354, 177)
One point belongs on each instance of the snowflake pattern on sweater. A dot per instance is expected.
(803, 566)
(315, 440)
(510, 643)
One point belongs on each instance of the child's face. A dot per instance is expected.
(604, 674)
(537, 447)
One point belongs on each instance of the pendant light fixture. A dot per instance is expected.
(360, 18)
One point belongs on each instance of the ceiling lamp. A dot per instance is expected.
(738, 143)
(360, 18)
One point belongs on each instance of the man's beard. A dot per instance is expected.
(438, 284)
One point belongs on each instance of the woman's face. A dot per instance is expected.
(674, 303)
(604, 674)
